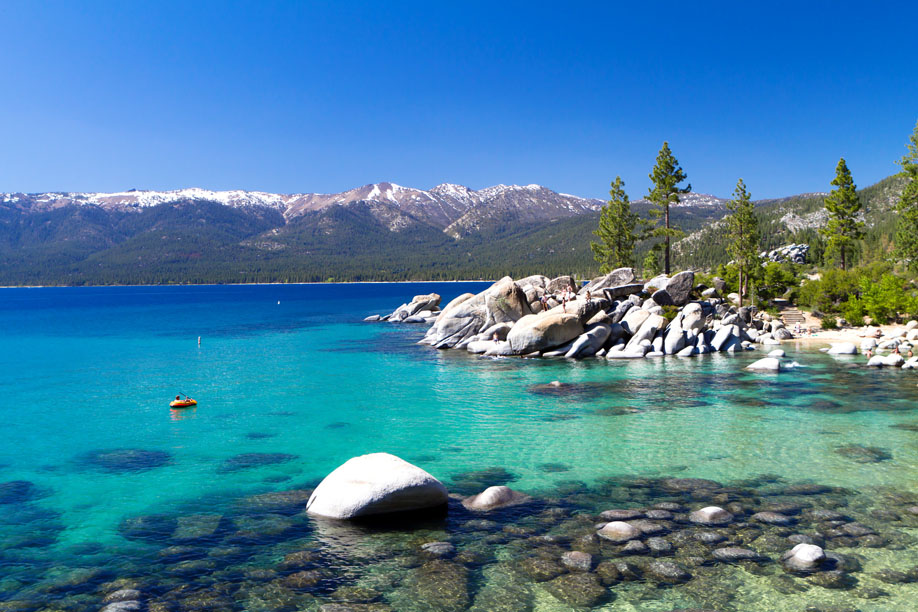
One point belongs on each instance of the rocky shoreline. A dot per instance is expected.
(615, 316)
(660, 543)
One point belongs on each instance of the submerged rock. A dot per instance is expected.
(126, 459)
(245, 461)
(733, 553)
(577, 560)
(148, 527)
(375, 484)
(540, 569)
(196, 526)
(17, 492)
(804, 558)
(834, 579)
(494, 498)
(666, 572)
(280, 502)
(711, 515)
(619, 531)
(772, 518)
(439, 549)
(863, 454)
(621, 515)
(580, 589)
(439, 586)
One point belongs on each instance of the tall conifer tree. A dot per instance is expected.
(843, 205)
(907, 207)
(616, 231)
(743, 227)
(666, 176)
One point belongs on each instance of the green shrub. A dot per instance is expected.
(883, 300)
(829, 322)
(776, 279)
(853, 310)
(827, 293)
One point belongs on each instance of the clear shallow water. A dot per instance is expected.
(290, 390)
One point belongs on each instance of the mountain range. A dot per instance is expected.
(380, 231)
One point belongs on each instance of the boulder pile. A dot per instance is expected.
(794, 253)
(615, 316)
(897, 342)
(421, 309)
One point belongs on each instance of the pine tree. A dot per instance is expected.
(907, 207)
(651, 264)
(616, 231)
(743, 229)
(842, 205)
(666, 176)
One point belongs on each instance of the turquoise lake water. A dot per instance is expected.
(291, 383)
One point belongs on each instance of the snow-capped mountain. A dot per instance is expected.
(442, 206)
(692, 199)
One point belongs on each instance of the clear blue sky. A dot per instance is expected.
(310, 96)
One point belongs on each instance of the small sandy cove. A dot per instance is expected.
(847, 334)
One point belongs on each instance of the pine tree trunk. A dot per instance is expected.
(740, 287)
(843, 258)
(666, 257)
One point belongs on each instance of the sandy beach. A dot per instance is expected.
(825, 337)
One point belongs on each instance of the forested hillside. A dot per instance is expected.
(798, 219)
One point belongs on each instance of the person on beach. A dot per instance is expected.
(868, 353)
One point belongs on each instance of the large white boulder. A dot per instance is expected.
(374, 484)
(724, 337)
(460, 321)
(634, 319)
(543, 331)
(649, 327)
(674, 340)
(693, 317)
(418, 304)
(589, 342)
(843, 348)
(766, 364)
(615, 278)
